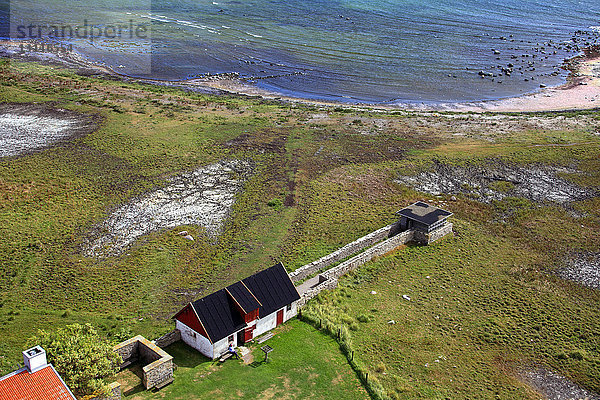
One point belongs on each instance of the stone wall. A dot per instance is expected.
(344, 252)
(440, 233)
(378, 250)
(158, 372)
(148, 355)
(168, 339)
(326, 284)
(427, 238)
(329, 279)
(159, 364)
(128, 350)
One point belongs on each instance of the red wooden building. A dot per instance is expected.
(239, 312)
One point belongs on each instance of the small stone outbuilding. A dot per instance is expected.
(428, 222)
(157, 364)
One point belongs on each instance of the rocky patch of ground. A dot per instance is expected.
(583, 268)
(486, 126)
(482, 126)
(203, 197)
(28, 127)
(495, 180)
(555, 386)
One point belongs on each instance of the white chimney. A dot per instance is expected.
(35, 359)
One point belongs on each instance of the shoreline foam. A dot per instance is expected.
(580, 92)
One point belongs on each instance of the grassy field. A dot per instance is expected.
(304, 364)
(477, 317)
(324, 177)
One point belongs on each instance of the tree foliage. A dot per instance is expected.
(80, 356)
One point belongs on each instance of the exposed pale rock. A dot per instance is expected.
(203, 197)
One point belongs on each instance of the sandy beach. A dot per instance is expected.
(580, 92)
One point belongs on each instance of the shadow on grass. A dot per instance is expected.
(137, 370)
(256, 364)
(131, 380)
(185, 356)
(136, 389)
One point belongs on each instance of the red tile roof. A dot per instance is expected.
(44, 384)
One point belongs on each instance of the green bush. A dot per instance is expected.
(364, 318)
(275, 203)
(81, 357)
(577, 355)
(380, 367)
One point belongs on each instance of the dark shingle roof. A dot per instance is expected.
(267, 290)
(243, 296)
(273, 288)
(218, 315)
(424, 213)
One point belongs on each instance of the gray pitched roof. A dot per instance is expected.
(424, 213)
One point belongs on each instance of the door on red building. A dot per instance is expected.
(279, 317)
(249, 333)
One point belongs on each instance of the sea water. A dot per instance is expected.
(384, 51)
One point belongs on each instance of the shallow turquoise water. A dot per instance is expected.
(352, 50)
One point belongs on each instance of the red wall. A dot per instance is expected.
(188, 317)
(251, 316)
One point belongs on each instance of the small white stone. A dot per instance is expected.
(405, 297)
(373, 292)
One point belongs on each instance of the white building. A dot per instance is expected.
(239, 312)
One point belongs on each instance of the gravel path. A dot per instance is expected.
(203, 197)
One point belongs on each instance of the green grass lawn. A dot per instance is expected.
(305, 364)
